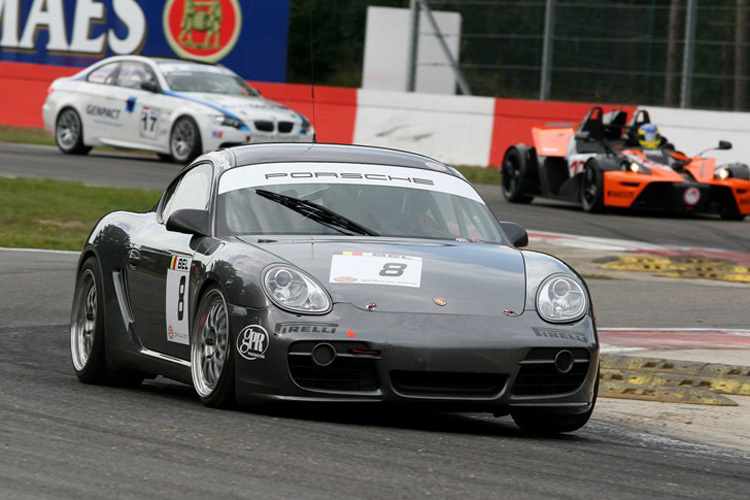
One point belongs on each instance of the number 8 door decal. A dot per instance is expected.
(178, 299)
(181, 299)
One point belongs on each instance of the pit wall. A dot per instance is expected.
(460, 130)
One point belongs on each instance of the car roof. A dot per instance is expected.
(334, 153)
(157, 60)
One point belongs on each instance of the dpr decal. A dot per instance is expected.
(252, 342)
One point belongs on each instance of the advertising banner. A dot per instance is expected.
(248, 36)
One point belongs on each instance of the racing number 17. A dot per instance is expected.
(145, 119)
(147, 125)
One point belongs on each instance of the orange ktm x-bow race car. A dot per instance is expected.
(608, 162)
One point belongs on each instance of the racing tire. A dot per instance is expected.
(545, 423)
(87, 332)
(592, 188)
(727, 216)
(87, 326)
(69, 133)
(211, 353)
(184, 140)
(515, 172)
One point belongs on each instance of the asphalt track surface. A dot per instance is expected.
(145, 171)
(59, 438)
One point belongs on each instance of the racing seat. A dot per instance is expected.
(592, 127)
(616, 122)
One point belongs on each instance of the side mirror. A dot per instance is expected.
(150, 86)
(189, 221)
(723, 145)
(583, 135)
(516, 233)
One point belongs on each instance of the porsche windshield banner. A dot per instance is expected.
(274, 174)
(248, 37)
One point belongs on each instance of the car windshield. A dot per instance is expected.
(343, 199)
(209, 79)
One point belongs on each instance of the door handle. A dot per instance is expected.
(134, 258)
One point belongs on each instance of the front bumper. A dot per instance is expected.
(464, 363)
(685, 197)
(218, 136)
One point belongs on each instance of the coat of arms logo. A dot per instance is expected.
(206, 30)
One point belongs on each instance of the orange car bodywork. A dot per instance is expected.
(552, 141)
(622, 187)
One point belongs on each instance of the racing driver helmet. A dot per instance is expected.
(648, 136)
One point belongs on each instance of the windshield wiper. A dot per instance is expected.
(317, 213)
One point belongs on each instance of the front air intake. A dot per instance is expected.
(334, 366)
(547, 372)
(448, 384)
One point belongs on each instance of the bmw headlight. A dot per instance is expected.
(229, 121)
(561, 299)
(305, 126)
(295, 291)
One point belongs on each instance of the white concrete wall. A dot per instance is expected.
(453, 129)
(692, 131)
(386, 57)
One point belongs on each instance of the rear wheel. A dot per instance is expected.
(185, 140)
(515, 172)
(211, 358)
(592, 188)
(69, 133)
(87, 326)
(87, 332)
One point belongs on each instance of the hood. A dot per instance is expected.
(251, 108)
(410, 276)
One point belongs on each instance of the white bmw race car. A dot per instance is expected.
(177, 109)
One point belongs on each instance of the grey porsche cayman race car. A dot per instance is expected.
(328, 273)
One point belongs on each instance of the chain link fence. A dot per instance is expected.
(626, 51)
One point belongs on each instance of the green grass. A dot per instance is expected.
(479, 175)
(25, 135)
(59, 215)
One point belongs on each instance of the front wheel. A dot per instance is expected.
(728, 216)
(592, 188)
(69, 133)
(211, 358)
(185, 140)
(541, 422)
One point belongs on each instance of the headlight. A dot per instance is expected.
(561, 299)
(636, 168)
(305, 126)
(295, 291)
(229, 121)
(723, 173)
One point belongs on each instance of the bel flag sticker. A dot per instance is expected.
(178, 277)
(363, 268)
